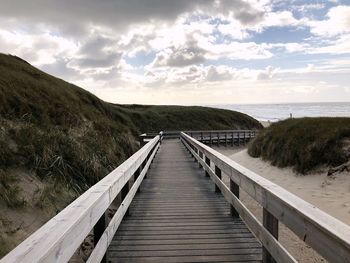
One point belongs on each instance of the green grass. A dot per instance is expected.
(157, 118)
(66, 134)
(304, 144)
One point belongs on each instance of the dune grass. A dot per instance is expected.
(64, 133)
(304, 143)
(9, 191)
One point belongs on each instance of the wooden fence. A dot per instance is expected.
(59, 238)
(325, 234)
(211, 137)
(226, 137)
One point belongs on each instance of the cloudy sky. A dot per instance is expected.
(187, 51)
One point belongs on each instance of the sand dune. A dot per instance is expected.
(329, 193)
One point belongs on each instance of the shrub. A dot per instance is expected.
(304, 143)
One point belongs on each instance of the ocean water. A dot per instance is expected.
(276, 112)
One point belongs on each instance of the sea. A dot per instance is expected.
(276, 112)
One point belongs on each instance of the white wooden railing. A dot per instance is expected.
(325, 234)
(59, 238)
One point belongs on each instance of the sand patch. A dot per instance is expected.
(329, 193)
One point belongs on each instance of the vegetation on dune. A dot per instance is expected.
(149, 118)
(66, 134)
(56, 140)
(304, 143)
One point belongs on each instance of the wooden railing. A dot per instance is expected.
(210, 137)
(325, 234)
(226, 137)
(60, 237)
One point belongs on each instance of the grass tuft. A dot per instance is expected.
(9, 191)
(304, 143)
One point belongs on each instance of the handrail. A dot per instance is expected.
(143, 138)
(223, 136)
(216, 131)
(59, 238)
(324, 233)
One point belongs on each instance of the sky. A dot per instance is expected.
(196, 52)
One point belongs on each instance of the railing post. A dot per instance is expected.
(207, 161)
(136, 175)
(271, 224)
(218, 174)
(99, 228)
(124, 192)
(141, 141)
(202, 137)
(210, 139)
(218, 139)
(225, 139)
(160, 137)
(142, 166)
(196, 151)
(238, 140)
(233, 139)
(200, 156)
(235, 190)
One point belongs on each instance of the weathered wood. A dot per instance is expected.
(109, 232)
(178, 218)
(99, 228)
(271, 224)
(221, 136)
(124, 192)
(218, 174)
(265, 237)
(200, 156)
(234, 188)
(59, 238)
(207, 161)
(136, 175)
(327, 235)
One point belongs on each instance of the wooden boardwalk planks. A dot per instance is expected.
(178, 217)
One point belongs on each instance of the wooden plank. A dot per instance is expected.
(271, 224)
(234, 188)
(204, 251)
(166, 247)
(106, 238)
(99, 228)
(179, 216)
(265, 237)
(327, 235)
(254, 258)
(185, 242)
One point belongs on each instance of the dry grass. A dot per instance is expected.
(304, 143)
(9, 191)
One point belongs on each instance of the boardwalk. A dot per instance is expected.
(178, 217)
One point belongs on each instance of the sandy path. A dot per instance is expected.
(331, 194)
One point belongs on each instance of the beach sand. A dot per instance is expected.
(265, 123)
(329, 193)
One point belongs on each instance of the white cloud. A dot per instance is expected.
(267, 74)
(193, 45)
(234, 29)
(338, 22)
(340, 45)
(39, 49)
